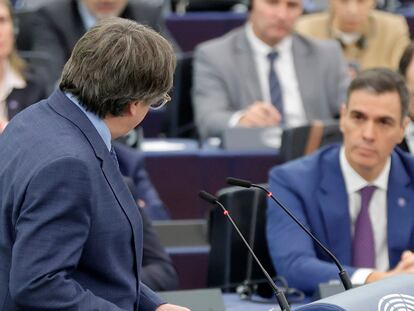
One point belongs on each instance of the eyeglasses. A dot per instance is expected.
(160, 103)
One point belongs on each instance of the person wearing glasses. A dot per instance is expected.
(71, 233)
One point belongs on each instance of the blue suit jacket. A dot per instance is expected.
(70, 231)
(314, 190)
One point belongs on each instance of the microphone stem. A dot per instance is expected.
(346, 282)
(280, 296)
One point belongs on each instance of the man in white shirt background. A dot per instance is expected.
(264, 74)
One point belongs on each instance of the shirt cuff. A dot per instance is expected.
(360, 276)
(235, 118)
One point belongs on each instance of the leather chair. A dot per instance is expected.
(229, 263)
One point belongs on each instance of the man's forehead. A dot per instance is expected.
(378, 105)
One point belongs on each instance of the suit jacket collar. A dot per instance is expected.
(305, 69)
(400, 201)
(243, 55)
(64, 107)
(333, 204)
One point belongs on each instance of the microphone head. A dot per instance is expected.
(207, 197)
(239, 182)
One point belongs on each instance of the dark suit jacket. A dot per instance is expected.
(71, 234)
(20, 99)
(59, 26)
(132, 165)
(313, 188)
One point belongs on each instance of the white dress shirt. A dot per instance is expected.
(377, 212)
(294, 112)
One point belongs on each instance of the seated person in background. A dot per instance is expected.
(158, 272)
(61, 23)
(263, 74)
(19, 87)
(356, 198)
(131, 164)
(369, 38)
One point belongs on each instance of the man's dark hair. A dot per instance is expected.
(380, 81)
(406, 59)
(116, 62)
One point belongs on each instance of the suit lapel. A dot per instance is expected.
(305, 69)
(245, 62)
(332, 201)
(63, 106)
(400, 200)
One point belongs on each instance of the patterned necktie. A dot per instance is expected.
(274, 85)
(363, 245)
(114, 157)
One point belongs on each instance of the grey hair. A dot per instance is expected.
(116, 62)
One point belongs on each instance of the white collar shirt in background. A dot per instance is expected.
(285, 69)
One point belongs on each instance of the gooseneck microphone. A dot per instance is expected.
(280, 296)
(343, 275)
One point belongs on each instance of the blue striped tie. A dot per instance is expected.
(274, 85)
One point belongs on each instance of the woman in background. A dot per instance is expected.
(19, 87)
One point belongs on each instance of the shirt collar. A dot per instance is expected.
(97, 122)
(354, 182)
(261, 48)
(87, 18)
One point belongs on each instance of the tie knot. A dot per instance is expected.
(272, 55)
(367, 192)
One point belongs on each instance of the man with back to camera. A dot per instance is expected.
(357, 198)
(71, 234)
(61, 23)
(264, 74)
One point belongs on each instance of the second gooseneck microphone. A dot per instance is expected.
(343, 275)
(280, 296)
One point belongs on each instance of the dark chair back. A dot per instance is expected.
(23, 25)
(180, 112)
(303, 140)
(230, 263)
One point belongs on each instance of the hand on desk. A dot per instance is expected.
(406, 265)
(169, 307)
(260, 114)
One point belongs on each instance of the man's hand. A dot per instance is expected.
(406, 265)
(169, 307)
(260, 114)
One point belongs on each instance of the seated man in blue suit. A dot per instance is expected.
(358, 198)
(71, 233)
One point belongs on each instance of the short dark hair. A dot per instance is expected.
(406, 59)
(379, 81)
(116, 62)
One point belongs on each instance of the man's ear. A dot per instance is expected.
(404, 125)
(134, 107)
(342, 116)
